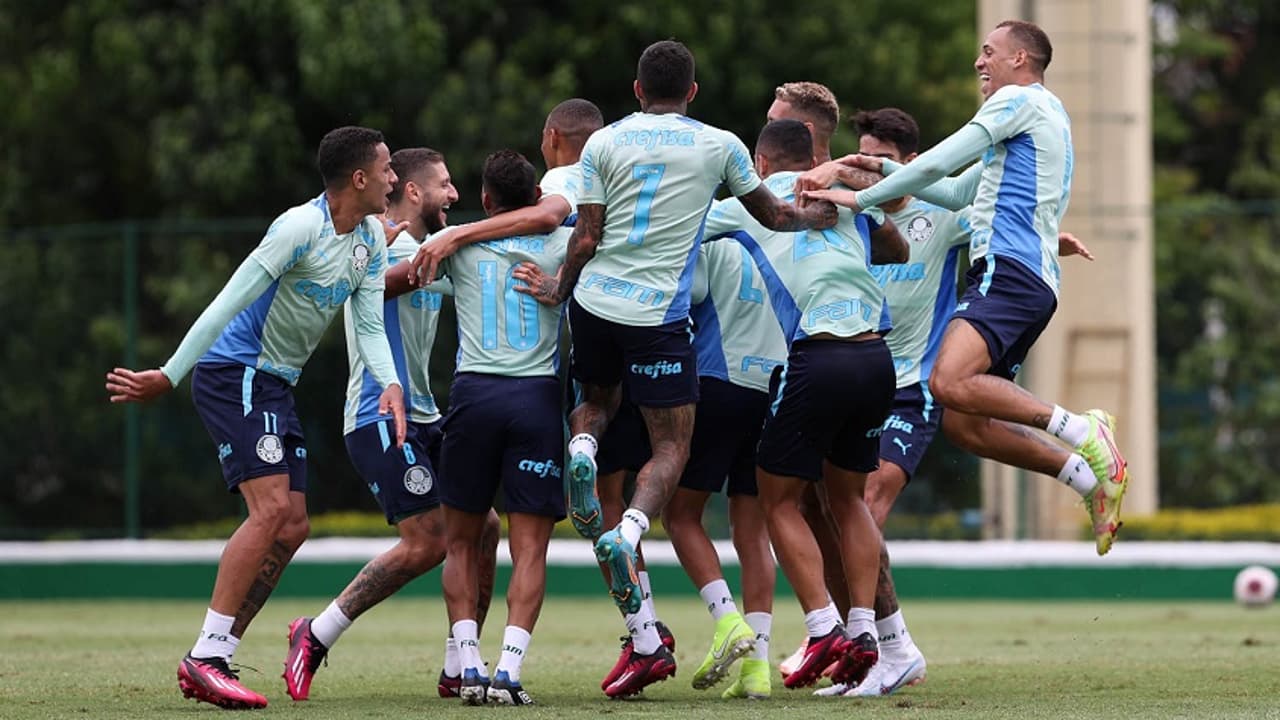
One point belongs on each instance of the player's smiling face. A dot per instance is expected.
(996, 62)
(438, 193)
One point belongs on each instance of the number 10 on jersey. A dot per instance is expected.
(650, 176)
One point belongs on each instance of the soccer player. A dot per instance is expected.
(402, 480)
(248, 348)
(739, 343)
(812, 104)
(505, 426)
(647, 180)
(834, 391)
(1019, 193)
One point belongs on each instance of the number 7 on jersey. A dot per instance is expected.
(650, 175)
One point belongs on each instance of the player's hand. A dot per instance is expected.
(433, 252)
(392, 401)
(819, 178)
(128, 386)
(870, 163)
(847, 198)
(537, 284)
(1069, 244)
(393, 229)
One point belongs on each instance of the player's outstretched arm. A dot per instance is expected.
(888, 247)
(372, 346)
(781, 216)
(582, 247)
(1069, 244)
(544, 217)
(963, 146)
(248, 282)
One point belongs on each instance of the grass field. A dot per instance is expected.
(986, 660)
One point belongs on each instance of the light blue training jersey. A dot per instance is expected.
(736, 334)
(502, 331)
(411, 321)
(315, 271)
(922, 291)
(656, 175)
(1026, 179)
(819, 281)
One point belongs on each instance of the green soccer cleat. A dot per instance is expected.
(752, 683)
(584, 503)
(734, 639)
(613, 550)
(1111, 470)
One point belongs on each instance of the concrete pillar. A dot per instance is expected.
(1099, 351)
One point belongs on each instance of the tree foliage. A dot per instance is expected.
(185, 113)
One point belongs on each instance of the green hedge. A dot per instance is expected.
(1241, 522)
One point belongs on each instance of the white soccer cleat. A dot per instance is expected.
(788, 666)
(836, 690)
(891, 674)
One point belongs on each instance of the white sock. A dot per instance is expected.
(644, 631)
(583, 443)
(215, 638)
(646, 593)
(822, 621)
(452, 663)
(634, 524)
(762, 623)
(892, 633)
(1077, 475)
(861, 620)
(718, 599)
(1068, 427)
(329, 625)
(467, 633)
(515, 643)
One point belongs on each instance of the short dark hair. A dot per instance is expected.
(576, 118)
(408, 163)
(1031, 38)
(787, 142)
(510, 179)
(890, 125)
(665, 71)
(345, 150)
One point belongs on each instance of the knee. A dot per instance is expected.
(945, 387)
(295, 531)
(272, 514)
(425, 554)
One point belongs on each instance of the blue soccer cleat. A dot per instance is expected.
(584, 504)
(613, 550)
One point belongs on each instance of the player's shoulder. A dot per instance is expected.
(782, 184)
(404, 246)
(301, 221)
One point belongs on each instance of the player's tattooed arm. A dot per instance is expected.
(781, 216)
(888, 247)
(582, 247)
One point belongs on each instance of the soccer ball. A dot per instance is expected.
(1256, 586)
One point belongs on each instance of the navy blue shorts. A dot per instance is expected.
(1009, 306)
(830, 396)
(625, 444)
(402, 479)
(508, 431)
(726, 431)
(909, 429)
(251, 418)
(658, 363)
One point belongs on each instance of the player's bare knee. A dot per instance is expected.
(294, 532)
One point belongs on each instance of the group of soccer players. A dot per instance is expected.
(797, 344)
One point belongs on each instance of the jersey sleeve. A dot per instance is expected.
(725, 216)
(1006, 113)
(739, 174)
(288, 239)
(959, 228)
(875, 216)
(375, 275)
(593, 159)
(562, 181)
(701, 281)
